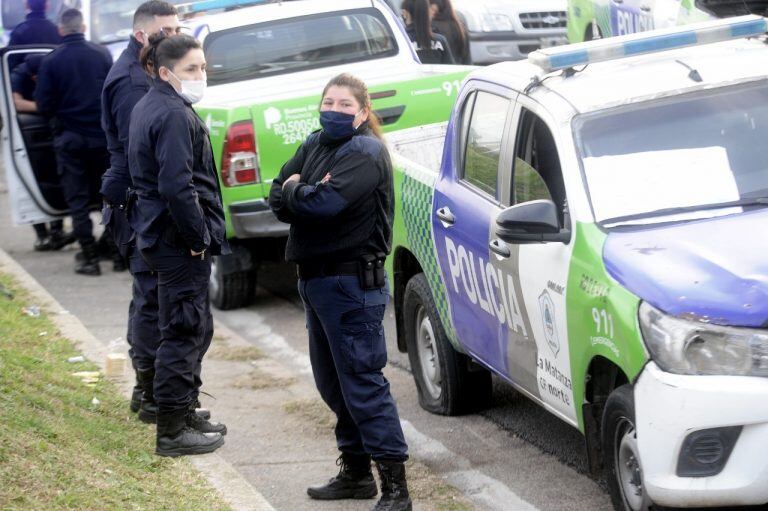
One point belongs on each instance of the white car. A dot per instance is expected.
(502, 30)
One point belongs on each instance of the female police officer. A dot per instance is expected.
(337, 194)
(179, 223)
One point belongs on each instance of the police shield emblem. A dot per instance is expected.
(547, 307)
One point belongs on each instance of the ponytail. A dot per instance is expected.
(165, 51)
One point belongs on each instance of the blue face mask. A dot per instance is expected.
(338, 124)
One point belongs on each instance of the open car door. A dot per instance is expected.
(28, 154)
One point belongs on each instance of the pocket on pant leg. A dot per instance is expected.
(363, 344)
(187, 314)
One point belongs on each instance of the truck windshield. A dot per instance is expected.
(697, 155)
(112, 20)
(298, 44)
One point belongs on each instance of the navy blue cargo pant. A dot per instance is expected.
(185, 323)
(80, 163)
(143, 333)
(348, 351)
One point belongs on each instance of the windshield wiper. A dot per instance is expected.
(747, 201)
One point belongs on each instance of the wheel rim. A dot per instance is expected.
(629, 471)
(429, 360)
(213, 281)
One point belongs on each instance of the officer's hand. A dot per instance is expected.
(196, 254)
(294, 177)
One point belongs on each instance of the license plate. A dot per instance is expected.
(548, 42)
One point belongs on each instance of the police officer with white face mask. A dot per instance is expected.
(179, 223)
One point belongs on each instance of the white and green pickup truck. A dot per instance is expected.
(596, 236)
(267, 66)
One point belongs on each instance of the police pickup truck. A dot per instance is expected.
(596, 236)
(267, 66)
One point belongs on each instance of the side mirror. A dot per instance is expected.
(535, 221)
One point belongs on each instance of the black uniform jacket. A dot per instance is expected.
(22, 82)
(459, 45)
(125, 85)
(349, 215)
(439, 51)
(172, 169)
(35, 29)
(69, 85)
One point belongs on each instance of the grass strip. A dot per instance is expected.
(66, 444)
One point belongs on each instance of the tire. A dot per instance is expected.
(233, 290)
(624, 471)
(445, 384)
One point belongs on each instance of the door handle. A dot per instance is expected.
(445, 215)
(499, 248)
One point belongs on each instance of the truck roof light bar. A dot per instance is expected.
(563, 57)
(195, 6)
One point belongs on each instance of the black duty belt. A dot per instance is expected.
(308, 271)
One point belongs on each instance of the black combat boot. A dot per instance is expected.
(148, 408)
(136, 397)
(354, 481)
(60, 239)
(204, 413)
(394, 489)
(175, 438)
(196, 422)
(89, 264)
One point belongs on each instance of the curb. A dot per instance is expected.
(234, 489)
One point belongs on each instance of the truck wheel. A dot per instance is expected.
(621, 455)
(445, 384)
(233, 290)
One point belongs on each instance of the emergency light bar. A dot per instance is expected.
(563, 57)
(208, 5)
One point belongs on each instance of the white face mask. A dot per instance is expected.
(191, 90)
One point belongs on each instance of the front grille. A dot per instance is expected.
(539, 20)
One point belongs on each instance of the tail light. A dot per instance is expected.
(239, 160)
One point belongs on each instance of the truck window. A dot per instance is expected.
(483, 142)
(297, 44)
(536, 174)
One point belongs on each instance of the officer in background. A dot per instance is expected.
(23, 81)
(125, 85)
(179, 224)
(36, 29)
(69, 90)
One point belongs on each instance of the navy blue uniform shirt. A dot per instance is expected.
(172, 169)
(22, 82)
(69, 85)
(36, 29)
(125, 85)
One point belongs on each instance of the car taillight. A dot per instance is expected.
(239, 161)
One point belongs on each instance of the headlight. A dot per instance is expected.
(691, 347)
(496, 23)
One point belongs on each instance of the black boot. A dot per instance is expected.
(203, 413)
(136, 397)
(148, 408)
(89, 264)
(196, 422)
(394, 489)
(118, 263)
(354, 481)
(60, 239)
(175, 438)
